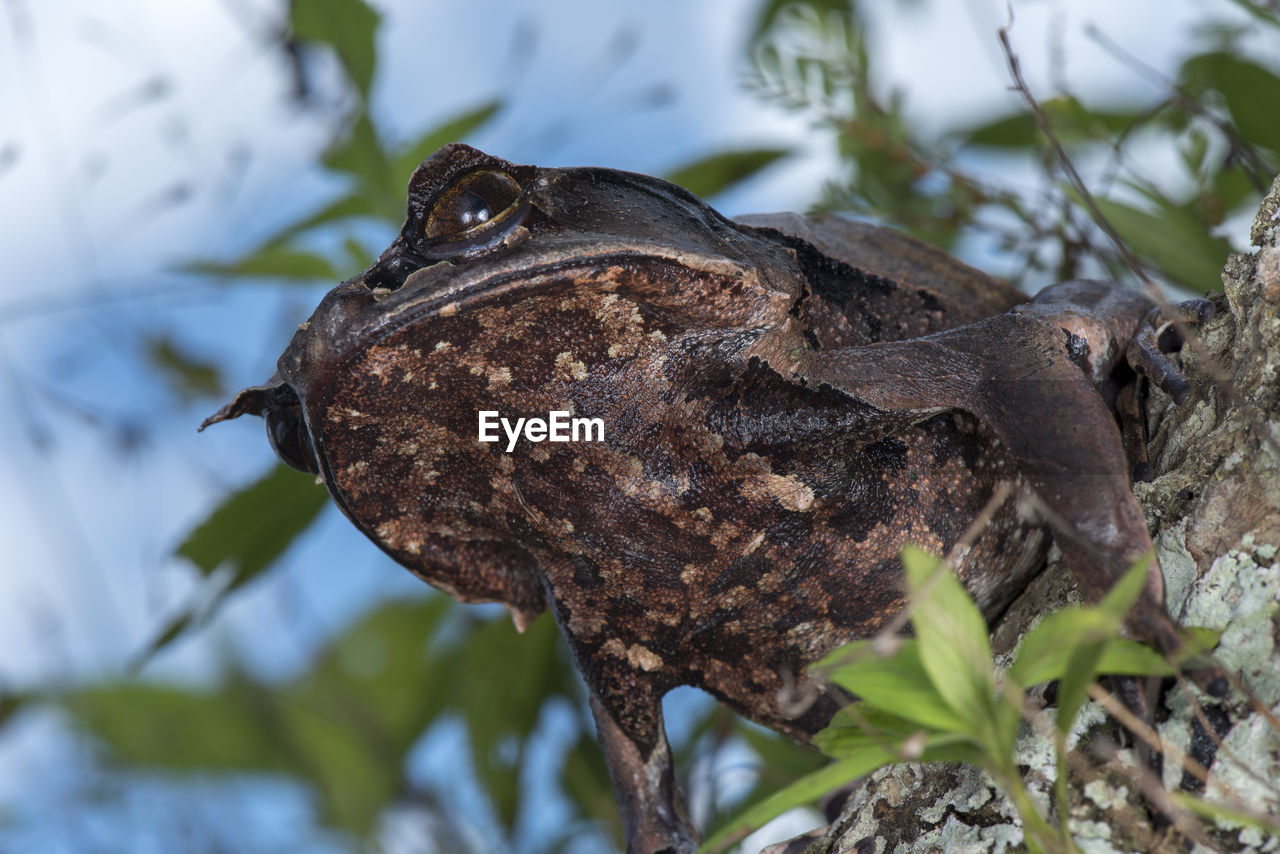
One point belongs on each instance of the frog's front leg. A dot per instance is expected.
(639, 759)
(1035, 376)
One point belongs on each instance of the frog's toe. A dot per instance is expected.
(1145, 357)
(1161, 333)
(1169, 321)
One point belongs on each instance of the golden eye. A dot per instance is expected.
(476, 212)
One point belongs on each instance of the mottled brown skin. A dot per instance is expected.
(788, 402)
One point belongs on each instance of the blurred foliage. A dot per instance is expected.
(189, 375)
(345, 727)
(1216, 124)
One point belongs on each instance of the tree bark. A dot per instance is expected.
(1214, 514)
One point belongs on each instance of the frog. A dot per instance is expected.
(785, 402)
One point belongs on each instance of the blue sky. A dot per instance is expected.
(146, 133)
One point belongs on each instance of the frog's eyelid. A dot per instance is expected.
(483, 236)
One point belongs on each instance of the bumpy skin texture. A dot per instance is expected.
(788, 401)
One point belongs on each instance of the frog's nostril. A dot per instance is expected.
(391, 272)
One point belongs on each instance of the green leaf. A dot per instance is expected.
(361, 154)
(273, 262)
(715, 174)
(455, 129)
(1015, 131)
(954, 647)
(172, 629)
(1082, 666)
(1201, 639)
(804, 791)
(342, 209)
(188, 375)
(860, 760)
(1173, 241)
(183, 730)
(353, 718)
(898, 684)
(1226, 814)
(1072, 122)
(1045, 649)
(254, 525)
(861, 723)
(345, 726)
(348, 26)
(770, 11)
(501, 681)
(586, 781)
(9, 705)
(1251, 92)
(779, 755)
(1128, 588)
(1264, 15)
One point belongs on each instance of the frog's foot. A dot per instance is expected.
(1161, 333)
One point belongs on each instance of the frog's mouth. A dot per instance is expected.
(278, 405)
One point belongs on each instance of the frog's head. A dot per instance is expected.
(520, 290)
(478, 226)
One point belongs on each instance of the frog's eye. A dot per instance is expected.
(474, 213)
(288, 435)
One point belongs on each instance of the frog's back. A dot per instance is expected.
(964, 294)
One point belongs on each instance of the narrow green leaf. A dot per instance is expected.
(342, 209)
(715, 174)
(9, 705)
(954, 648)
(254, 526)
(1128, 588)
(273, 262)
(348, 26)
(1220, 812)
(172, 629)
(357, 256)
(898, 684)
(809, 788)
(1016, 131)
(804, 791)
(1120, 657)
(1266, 16)
(189, 375)
(455, 129)
(1201, 639)
(862, 723)
(779, 754)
